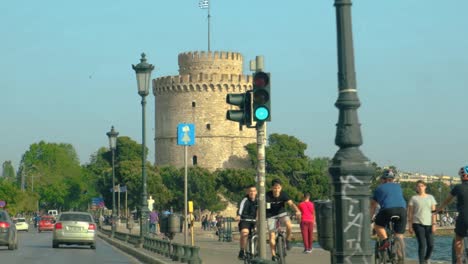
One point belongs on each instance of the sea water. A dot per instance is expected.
(442, 248)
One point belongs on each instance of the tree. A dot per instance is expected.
(50, 169)
(283, 155)
(8, 172)
(201, 188)
(17, 201)
(232, 182)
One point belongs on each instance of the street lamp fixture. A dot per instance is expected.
(112, 135)
(143, 75)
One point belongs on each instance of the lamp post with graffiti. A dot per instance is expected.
(351, 171)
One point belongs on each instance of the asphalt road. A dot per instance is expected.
(36, 248)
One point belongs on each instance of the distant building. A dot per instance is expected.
(414, 177)
(198, 95)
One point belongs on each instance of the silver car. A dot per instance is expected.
(8, 234)
(74, 228)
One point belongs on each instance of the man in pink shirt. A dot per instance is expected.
(307, 222)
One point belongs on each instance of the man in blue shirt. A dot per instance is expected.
(389, 196)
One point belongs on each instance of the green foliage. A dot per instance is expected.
(17, 201)
(201, 188)
(286, 159)
(52, 170)
(232, 182)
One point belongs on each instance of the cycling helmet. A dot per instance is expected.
(388, 174)
(463, 172)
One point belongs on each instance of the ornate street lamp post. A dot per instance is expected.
(113, 145)
(143, 74)
(351, 171)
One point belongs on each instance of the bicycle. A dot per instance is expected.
(280, 238)
(395, 253)
(252, 246)
(464, 251)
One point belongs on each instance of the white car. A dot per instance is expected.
(21, 224)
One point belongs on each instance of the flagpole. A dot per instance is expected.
(209, 16)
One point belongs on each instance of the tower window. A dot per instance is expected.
(194, 160)
(194, 104)
(208, 126)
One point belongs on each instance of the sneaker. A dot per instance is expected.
(241, 254)
(384, 245)
(274, 258)
(309, 251)
(305, 251)
(288, 245)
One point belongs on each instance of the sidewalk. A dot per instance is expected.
(212, 251)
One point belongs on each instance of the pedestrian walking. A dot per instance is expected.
(154, 219)
(422, 221)
(307, 209)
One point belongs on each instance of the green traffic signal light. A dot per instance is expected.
(261, 97)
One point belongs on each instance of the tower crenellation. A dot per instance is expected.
(210, 62)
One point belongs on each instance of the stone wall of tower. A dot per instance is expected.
(198, 96)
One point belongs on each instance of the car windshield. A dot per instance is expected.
(47, 218)
(75, 217)
(20, 220)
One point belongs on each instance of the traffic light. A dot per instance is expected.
(244, 102)
(261, 97)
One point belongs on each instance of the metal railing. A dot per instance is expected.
(174, 251)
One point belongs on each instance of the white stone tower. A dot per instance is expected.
(198, 95)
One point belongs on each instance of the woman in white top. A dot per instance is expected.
(422, 221)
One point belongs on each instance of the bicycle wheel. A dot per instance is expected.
(398, 251)
(281, 250)
(254, 248)
(380, 256)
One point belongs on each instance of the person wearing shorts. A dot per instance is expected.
(389, 196)
(276, 201)
(247, 213)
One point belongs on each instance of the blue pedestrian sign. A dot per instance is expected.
(186, 134)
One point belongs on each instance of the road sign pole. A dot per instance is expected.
(185, 198)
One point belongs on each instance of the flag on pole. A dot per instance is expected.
(203, 4)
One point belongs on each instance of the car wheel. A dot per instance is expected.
(39, 230)
(55, 244)
(93, 246)
(11, 246)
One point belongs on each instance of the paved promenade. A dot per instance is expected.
(212, 251)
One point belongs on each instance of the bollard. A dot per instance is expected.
(324, 221)
(229, 229)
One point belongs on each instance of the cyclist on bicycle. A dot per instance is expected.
(389, 196)
(276, 211)
(247, 214)
(461, 226)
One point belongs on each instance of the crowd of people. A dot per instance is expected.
(420, 214)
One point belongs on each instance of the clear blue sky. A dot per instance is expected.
(66, 71)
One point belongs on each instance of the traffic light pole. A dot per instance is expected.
(257, 66)
(261, 224)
